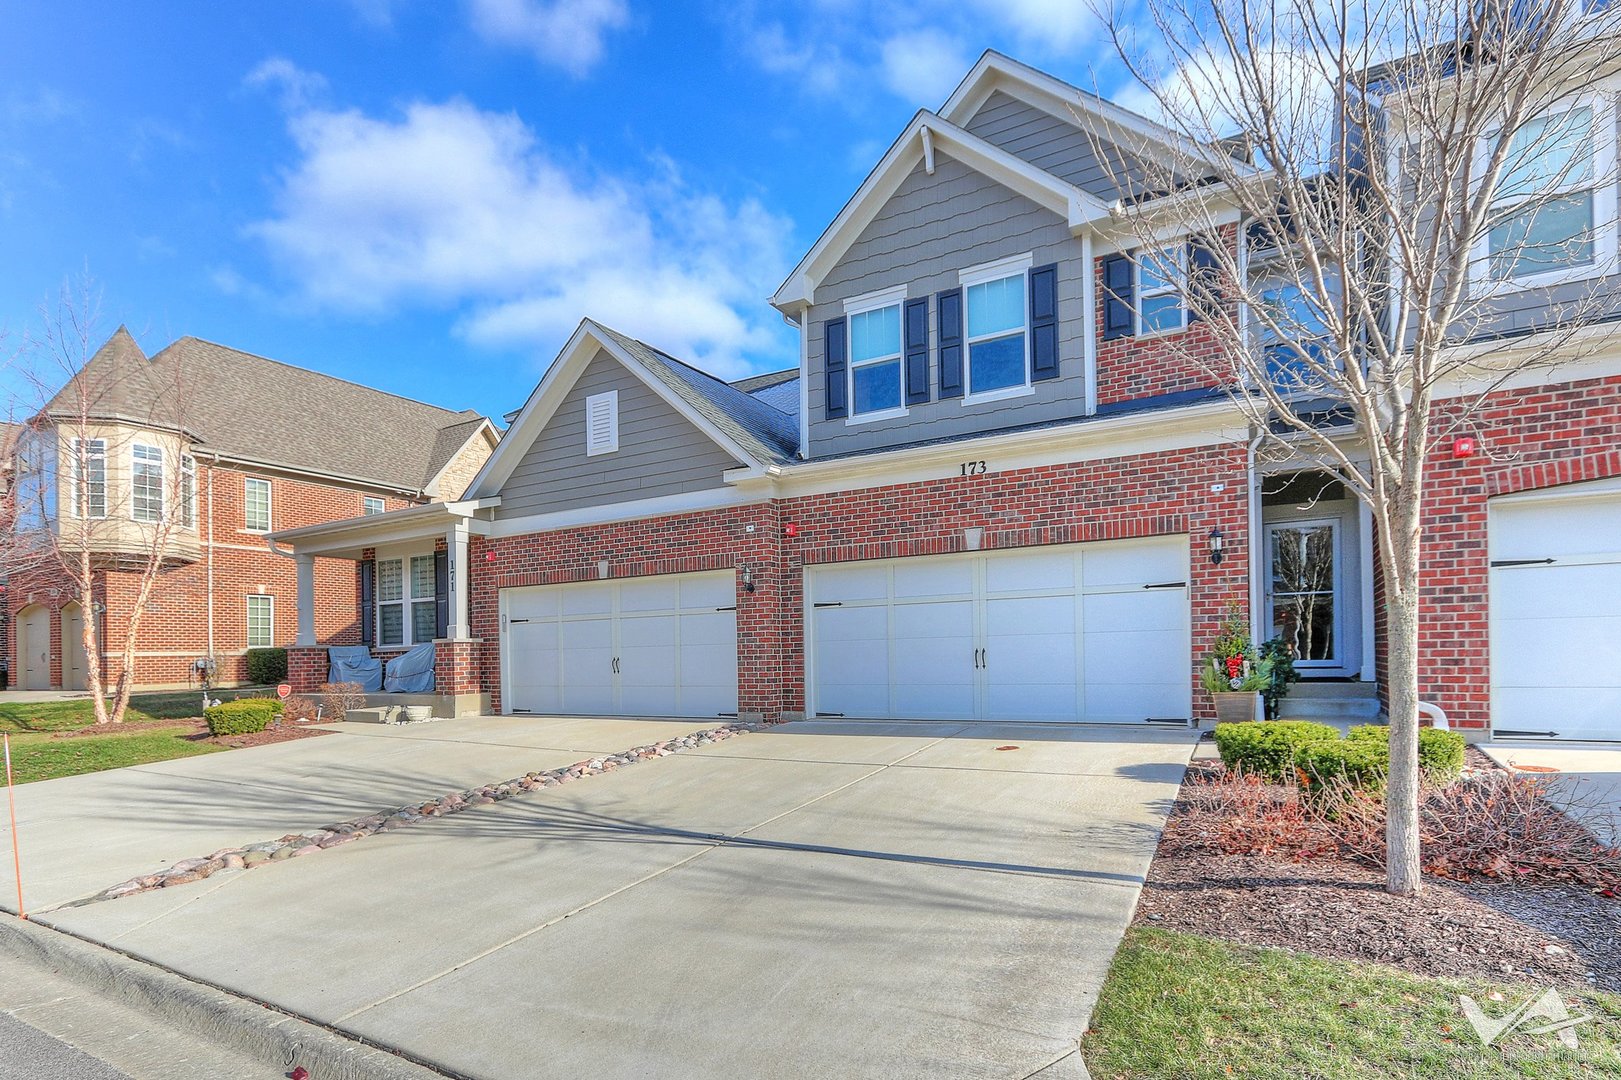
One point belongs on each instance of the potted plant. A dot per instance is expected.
(1235, 675)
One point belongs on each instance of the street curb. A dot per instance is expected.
(277, 1038)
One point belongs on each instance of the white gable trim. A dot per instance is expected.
(1078, 208)
(555, 385)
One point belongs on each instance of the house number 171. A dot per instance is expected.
(973, 468)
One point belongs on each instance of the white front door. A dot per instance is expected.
(657, 646)
(1555, 608)
(1094, 632)
(1305, 591)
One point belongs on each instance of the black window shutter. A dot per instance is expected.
(1118, 320)
(834, 348)
(1204, 279)
(948, 312)
(368, 601)
(441, 593)
(917, 351)
(1044, 322)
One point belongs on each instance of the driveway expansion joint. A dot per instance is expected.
(297, 845)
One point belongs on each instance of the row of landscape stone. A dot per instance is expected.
(295, 845)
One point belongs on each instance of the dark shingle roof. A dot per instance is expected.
(251, 408)
(768, 433)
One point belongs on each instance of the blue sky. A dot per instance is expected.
(427, 195)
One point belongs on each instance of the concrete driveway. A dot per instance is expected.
(823, 899)
(1590, 777)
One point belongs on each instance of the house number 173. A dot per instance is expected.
(973, 468)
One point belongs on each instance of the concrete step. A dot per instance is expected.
(1331, 701)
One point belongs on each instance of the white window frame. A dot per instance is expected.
(1602, 185)
(81, 484)
(248, 484)
(1012, 266)
(407, 601)
(248, 615)
(1177, 288)
(608, 400)
(863, 305)
(188, 491)
(136, 461)
(369, 501)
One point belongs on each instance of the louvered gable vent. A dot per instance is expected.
(602, 423)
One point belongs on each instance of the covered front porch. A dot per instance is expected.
(411, 591)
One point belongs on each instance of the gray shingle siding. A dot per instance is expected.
(931, 228)
(660, 452)
(1049, 142)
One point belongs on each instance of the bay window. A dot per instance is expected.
(146, 483)
(89, 477)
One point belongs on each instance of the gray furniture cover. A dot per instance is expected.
(411, 672)
(356, 664)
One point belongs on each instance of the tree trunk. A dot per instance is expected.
(1402, 865)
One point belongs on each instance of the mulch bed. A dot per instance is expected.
(1334, 907)
(198, 732)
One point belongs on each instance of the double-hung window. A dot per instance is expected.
(996, 314)
(188, 491)
(1292, 331)
(256, 504)
(406, 612)
(89, 477)
(371, 504)
(261, 622)
(146, 483)
(1161, 283)
(1543, 212)
(875, 352)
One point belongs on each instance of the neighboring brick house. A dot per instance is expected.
(219, 447)
(996, 487)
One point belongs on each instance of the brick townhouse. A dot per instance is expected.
(225, 447)
(996, 488)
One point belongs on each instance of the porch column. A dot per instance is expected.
(457, 627)
(306, 599)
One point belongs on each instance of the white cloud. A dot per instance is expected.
(1051, 25)
(922, 67)
(451, 205)
(294, 87)
(567, 34)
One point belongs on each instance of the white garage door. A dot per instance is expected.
(1092, 632)
(1556, 615)
(657, 646)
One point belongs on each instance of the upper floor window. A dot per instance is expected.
(89, 477)
(875, 353)
(146, 483)
(1161, 283)
(371, 504)
(996, 317)
(35, 488)
(256, 504)
(1292, 329)
(188, 491)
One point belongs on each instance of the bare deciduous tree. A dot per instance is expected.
(103, 487)
(1403, 207)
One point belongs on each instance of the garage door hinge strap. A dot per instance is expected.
(1168, 585)
(830, 603)
(732, 608)
(514, 622)
(1522, 562)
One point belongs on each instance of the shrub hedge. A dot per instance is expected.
(1440, 753)
(245, 716)
(266, 667)
(1269, 748)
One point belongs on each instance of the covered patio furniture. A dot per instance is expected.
(355, 664)
(411, 672)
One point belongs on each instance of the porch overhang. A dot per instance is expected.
(352, 537)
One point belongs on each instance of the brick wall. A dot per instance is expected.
(1151, 495)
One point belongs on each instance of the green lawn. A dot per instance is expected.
(1184, 1007)
(79, 713)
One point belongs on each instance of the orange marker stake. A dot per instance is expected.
(16, 857)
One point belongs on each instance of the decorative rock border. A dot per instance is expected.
(297, 845)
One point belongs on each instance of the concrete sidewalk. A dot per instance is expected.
(81, 834)
(1591, 771)
(894, 900)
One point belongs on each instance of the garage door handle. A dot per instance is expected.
(1522, 562)
(1168, 585)
(732, 608)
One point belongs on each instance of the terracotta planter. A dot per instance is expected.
(1234, 708)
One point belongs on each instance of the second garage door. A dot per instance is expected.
(655, 646)
(1091, 632)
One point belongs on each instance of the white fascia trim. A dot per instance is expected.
(1124, 436)
(554, 388)
(663, 506)
(1585, 489)
(1586, 362)
(995, 271)
(1076, 207)
(872, 301)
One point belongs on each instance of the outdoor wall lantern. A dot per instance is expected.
(1215, 547)
(748, 579)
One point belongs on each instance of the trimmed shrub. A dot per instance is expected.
(1269, 748)
(266, 667)
(1361, 763)
(1440, 753)
(244, 716)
